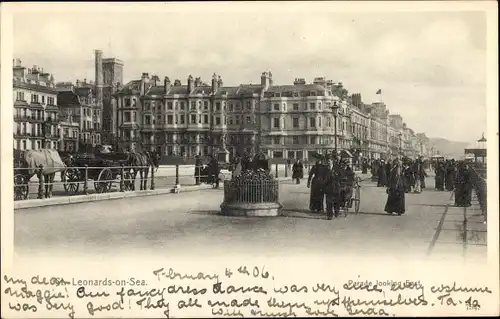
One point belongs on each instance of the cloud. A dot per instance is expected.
(426, 63)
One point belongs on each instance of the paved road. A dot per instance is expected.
(188, 223)
(164, 178)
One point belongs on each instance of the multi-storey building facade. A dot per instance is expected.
(284, 121)
(79, 104)
(36, 116)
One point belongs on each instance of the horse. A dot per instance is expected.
(140, 162)
(28, 162)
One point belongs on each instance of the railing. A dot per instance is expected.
(82, 180)
(479, 185)
(258, 191)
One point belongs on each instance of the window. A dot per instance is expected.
(182, 119)
(170, 119)
(199, 119)
(295, 122)
(193, 119)
(319, 121)
(312, 106)
(237, 120)
(127, 116)
(127, 102)
(193, 105)
(217, 106)
(205, 105)
(312, 122)
(169, 105)
(329, 122)
(147, 120)
(276, 140)
(133, 116)
(312, 139)
(20, 96)
(217, 120)
(205, 119)
(247, 104)
(295, 106)
(295, 140)
(182, 106)
(43, 99)
(276, 122)
(230, 120)
(276, 106)
(319, 105)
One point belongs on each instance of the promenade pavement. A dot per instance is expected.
(189, 223)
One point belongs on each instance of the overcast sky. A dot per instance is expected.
(430, 66)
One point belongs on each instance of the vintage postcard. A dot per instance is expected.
(249, 159)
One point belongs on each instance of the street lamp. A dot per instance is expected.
(400, 142)
(335, 110)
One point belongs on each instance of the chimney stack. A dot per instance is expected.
(190, 84)
(177, 82)
(166, 84)
(98, 77)
(264, 80)
(219, 82)
(214, 83)
(144, 83)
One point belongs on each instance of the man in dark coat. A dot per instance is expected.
(440, 174)
(213, 171)
(396, 191)
(451, 172)
(297, 171)
(463, 186)
(382, 175)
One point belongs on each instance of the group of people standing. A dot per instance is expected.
(455, 176)
(412, 173)
(331, 180)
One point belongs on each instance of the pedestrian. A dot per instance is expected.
(297, 171)
(420, 175)
(440, 176)
(463, 186)
(451, 172)
(315, 182)
(395, 191)
(382, 175)
(213, 171)
(332, 191)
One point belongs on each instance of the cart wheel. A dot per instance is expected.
(127, 181)
(71, 180)
(358, 199)
(104, 181)
(21, 188)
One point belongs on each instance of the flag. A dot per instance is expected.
(379, 91)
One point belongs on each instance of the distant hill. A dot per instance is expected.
(448, 148)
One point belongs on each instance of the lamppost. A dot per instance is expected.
(335, 110)
(400, 142)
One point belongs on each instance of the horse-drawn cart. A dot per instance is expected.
(103, 169)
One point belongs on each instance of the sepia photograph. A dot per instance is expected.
(194, 130)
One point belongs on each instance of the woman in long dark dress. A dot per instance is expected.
(396, 191)
(463, 186)
(315, 182)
